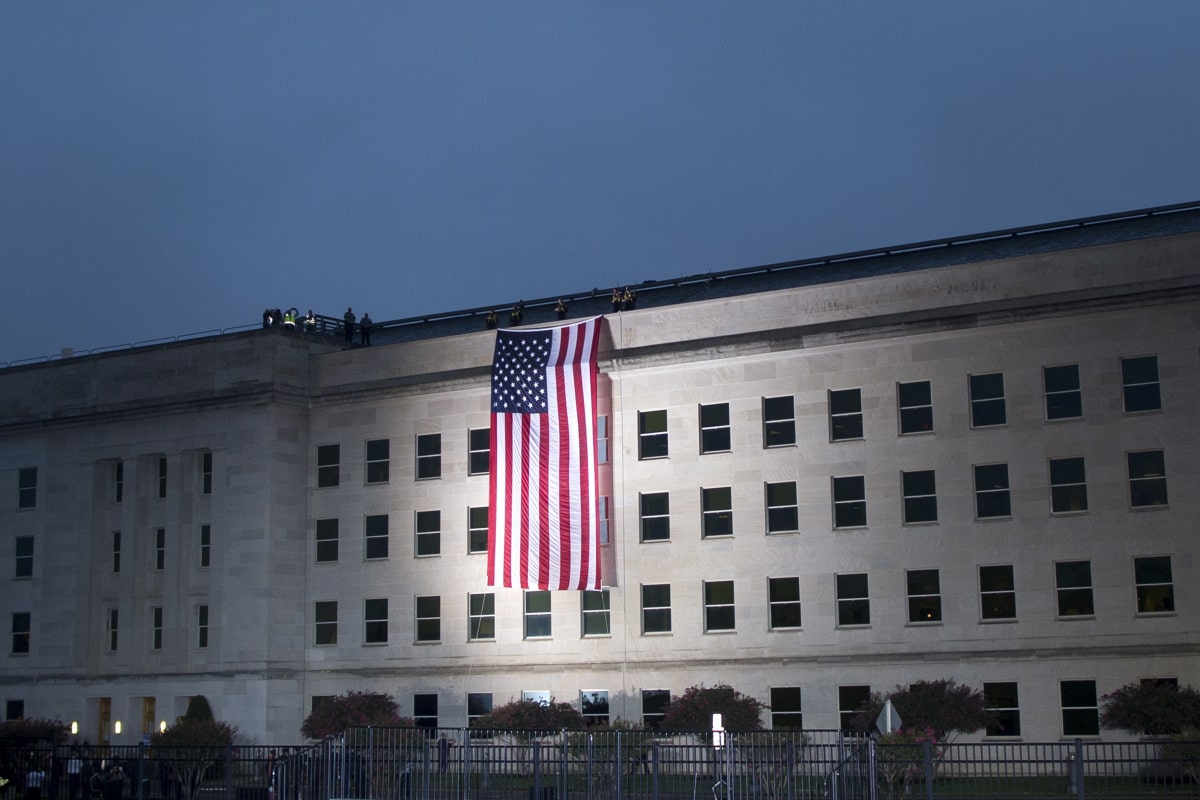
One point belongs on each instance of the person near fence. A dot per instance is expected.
(33, 782)
(74, 774)
(443, 752)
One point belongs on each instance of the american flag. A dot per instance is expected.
(542, 516)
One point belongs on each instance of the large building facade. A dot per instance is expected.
(972, 460)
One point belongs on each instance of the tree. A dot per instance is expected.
(53, 731)
(353, 710)
(531, 715)
(193, 745)
(694, 709)
(944, 707)
(1151, 708)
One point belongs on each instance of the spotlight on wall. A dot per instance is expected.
(74, 727)
(117, 727)
(162, 726)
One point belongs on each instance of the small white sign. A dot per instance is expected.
(889, 720)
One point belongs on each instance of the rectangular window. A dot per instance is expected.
(481, 616)
(429, 456)
(915, 404)
(537, 615)
(23, 561)
(603, 522)
(1080, 713)
(1073, 584)
(783, 598)
(652, 434)
(1139, 384)
(162, 476)
(1000, 702)
(1147, 479)
(21, 627)
(205, 545)
(327, 540)
(1155, 587)
(991, 491)
(718, 606)
(425, 711)
(379, 460)
(593, 706)
(853, 601)
(116, 551)
(924, 595)
(477, 529)
(206, 473)
(1068, 486)
(160, 549)
(851, 699)
(325, 613)
(997, 592)
(375, 536)
(920, 496)
(602, 439)
(27, 487)
(478, 705)
(429, 619)
(429, 533)
(156, 628)
(783, 512)
(112, 628)
(786, 711)
(714, 428)
(654, 707)
(596, 611)
(845, 415)
(118, 481)
(987, 400)
(329, 458)
(850, 502)
(479, 451)
(375, 620)
(716, 512)
(14, 710)
(202, 626)
(779, 421)
(656, 608)
(655, 516)
(1063, 398)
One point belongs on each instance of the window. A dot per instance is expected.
(593, 706)
(205, 545)
(1155, 589)
(379, 460)
(602, 519)
(112, 628)
(656, 608)
(27, 487)
(162, 476)
(987, 400)
(20, 632)
(477, 529)
(206, 472)
(915, 404)
(375, 620)
(991, 491)
(425, 711)
(429, 456)
(118, 481)
(656, 517)
(116, 551)
(716, 512)
(202, 626)
(783, 512)
(1000, 701)
(156, 628)
(14, 710)
(997, 592)
(481, 616)
(596, 610)
(850, 700)
(537, 615)
(853, 602)
(325, 614)
(924, 596)
(1068, 486)
(327, 540)
(1139, 384)
(329, 457)
(849, 502)
(652, 434)
(1147, 479)
(920, 496)
(375, 536)
(1063, 398)
(783, 600)
(602, 443)
(479, 451)
(1073, 583)
(160, 549)
(779, 421)
(478, 704)
(654, 707)
(786, 713)
(1080, 714)
(845, 415)
(429, 533)
(429, 619)
(718, 606)
(23, 561)
(714, 428)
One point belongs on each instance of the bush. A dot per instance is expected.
(942, 706)
(531, 715)
(1151, 708)
(694, 709)
(353, 710)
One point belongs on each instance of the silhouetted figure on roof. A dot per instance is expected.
(364, 329)
(267, 318)
(348, 325)
(561, 309)
(310, 322)
(492, 322)
(629, 299)
(616, 300)
(517, 314)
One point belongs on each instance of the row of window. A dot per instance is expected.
(27, 481)
(23, 551)
(22, 627)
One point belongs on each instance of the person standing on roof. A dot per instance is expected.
(348, 325)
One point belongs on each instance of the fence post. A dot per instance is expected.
(140, 791)
(229, 771)
(872, 770)
(791, 769)
(562, 767)
(656, 761)
(927, 746)
(466, 764)
(619, 769)
(426, 756)
(1077, 768)
(537, 770)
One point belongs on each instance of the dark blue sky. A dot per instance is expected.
(168, 168)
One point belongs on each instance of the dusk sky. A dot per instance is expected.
(171, 167)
